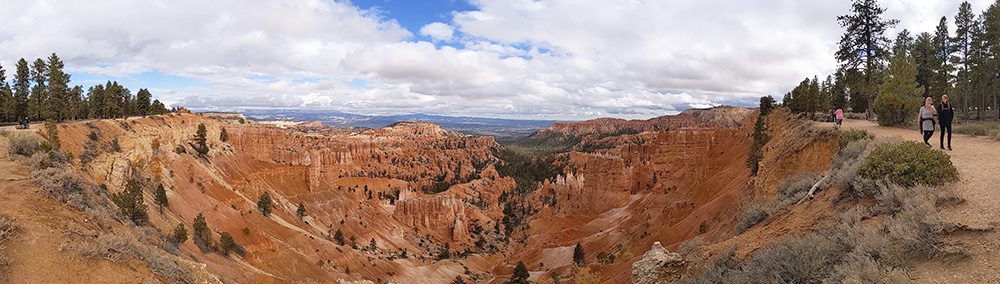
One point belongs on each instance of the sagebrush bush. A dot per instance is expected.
(21, 143)
(909, 163)
(118, 246)
(64, 185)
(48, 159)
(7, 231)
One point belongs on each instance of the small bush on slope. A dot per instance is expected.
(909, 163)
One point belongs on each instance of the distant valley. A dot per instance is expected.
(502, 128)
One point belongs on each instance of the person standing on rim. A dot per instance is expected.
(946, 115)
(927, 113)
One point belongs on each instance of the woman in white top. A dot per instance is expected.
(927, 114)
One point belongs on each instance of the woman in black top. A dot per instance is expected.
(946, 114)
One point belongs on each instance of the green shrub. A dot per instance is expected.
(908, 164)
(852, 135)
(264, 204)
(227, 244)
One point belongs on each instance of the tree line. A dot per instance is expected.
(887, 78)
(42, 91)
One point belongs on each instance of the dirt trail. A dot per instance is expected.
(978, 163)
(36, 253)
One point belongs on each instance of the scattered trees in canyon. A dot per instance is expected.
(180, 234)
(202, 235)
(42, 91)
(160, 195)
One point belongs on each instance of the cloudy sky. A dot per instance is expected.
(558, 59)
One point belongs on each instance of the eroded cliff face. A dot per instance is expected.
(416, 189)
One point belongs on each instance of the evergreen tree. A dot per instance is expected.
(339, 237)
(223, 135)
(579, 257)
(131, 204)
(899, 97)
(201, 141)
(22, 81)
(180, 234)
(6, 98)
(964, 22)
(160, 196)
(989, 59)
(227, 244)
(58, 91)
(202, 234)
(158, 108)
(923, 56)
(142, 102)
(838, 91)
(39, 74)
(264, 204)
(52, 133)
(520, 275)
(940, 82)
(864, 44)
(301, 211)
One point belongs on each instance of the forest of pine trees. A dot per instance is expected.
(42, 91)
(965, 66)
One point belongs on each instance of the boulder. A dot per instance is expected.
(658, 265)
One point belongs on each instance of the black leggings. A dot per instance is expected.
(945, 129)
(927, 136)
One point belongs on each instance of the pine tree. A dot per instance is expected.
(339, 237)
(142, 102)
(202, 234)
(989, 60)
(201, 141)
(58, 91)
(39, 97)
(923, 56)
(964, 22)
(264, 204)
(864, 44)
(520, 275)
(579, 257)
(180, 233)
(160, 196)
(941, 67)
(131, 204)
(223, 135)
(6, 97)
(227, 244)
(301, 211)
(898, 98)
(22, 81)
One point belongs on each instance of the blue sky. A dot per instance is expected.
(540, 59)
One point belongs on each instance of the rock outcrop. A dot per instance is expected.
(658, 265)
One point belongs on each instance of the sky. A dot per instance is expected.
(537, 59)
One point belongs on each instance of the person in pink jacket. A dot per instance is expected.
(839, 114)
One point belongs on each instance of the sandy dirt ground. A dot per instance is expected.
(37, 252)
(978, 163)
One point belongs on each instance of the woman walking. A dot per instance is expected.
(946, 116)
(927, 113)
(839, 117)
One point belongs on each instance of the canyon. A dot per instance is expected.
(414, 203)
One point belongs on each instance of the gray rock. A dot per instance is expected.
(658, 265)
